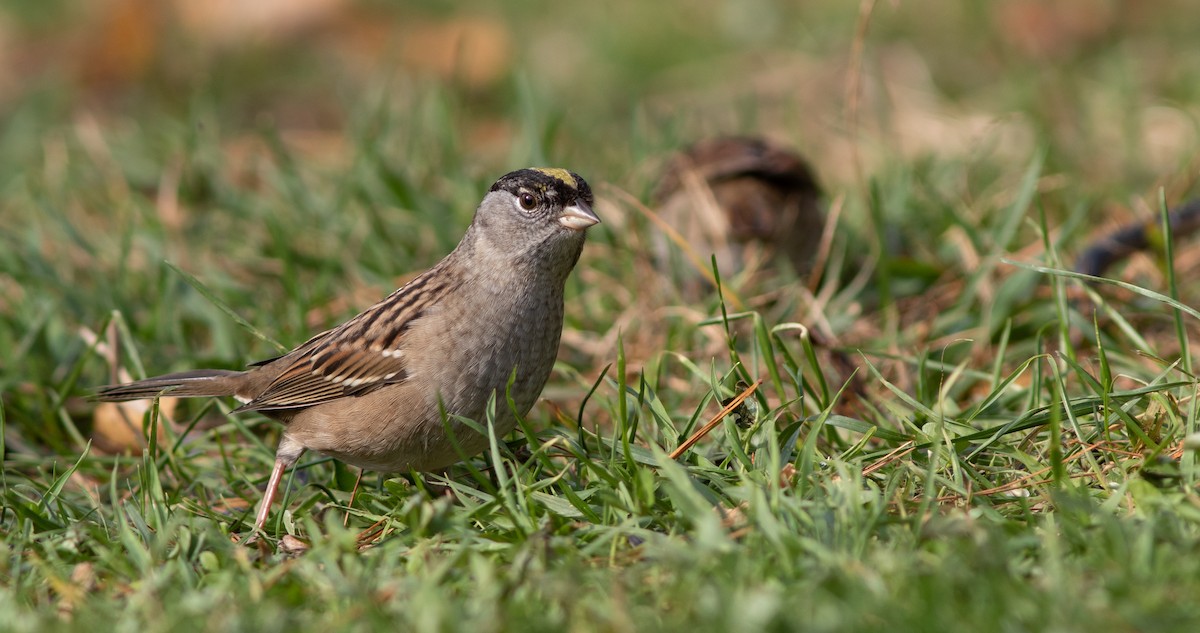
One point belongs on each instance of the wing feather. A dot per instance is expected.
(362, 355)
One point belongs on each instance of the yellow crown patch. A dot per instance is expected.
(559, 173)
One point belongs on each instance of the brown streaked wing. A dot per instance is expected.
(328, 373)
(315, 340)
(357, 357)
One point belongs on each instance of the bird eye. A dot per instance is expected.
(527, 201)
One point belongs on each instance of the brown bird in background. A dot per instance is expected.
(746, 200)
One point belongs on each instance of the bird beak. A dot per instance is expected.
(578, 217)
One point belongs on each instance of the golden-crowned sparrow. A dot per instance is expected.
(377, 391)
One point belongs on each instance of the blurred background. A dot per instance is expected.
(1108, 86)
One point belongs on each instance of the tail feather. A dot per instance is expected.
(185, 384)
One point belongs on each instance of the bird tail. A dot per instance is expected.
(185, 384)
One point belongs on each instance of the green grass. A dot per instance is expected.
(941, 438)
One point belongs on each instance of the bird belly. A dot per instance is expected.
(401, 427)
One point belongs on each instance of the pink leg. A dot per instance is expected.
(269, 496)
(288, 452)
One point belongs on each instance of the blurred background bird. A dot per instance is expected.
(747, 201)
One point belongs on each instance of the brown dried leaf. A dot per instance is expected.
(292, 546)
(474, 51)
(121, 44)
(117, 426)
(235, 22)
